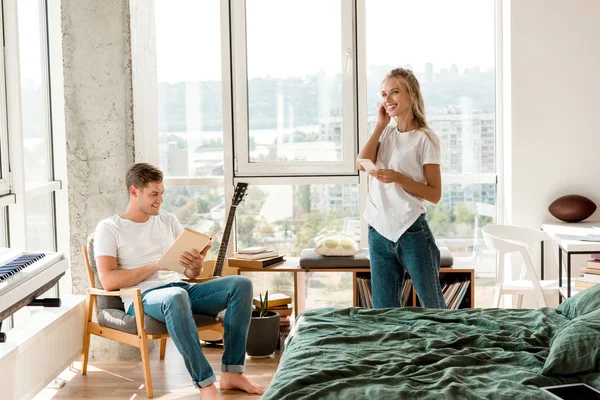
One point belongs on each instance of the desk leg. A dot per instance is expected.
(299, 292)
(542, 261)
(568, 274)
(559, 266)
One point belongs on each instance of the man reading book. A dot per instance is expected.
(127, 247)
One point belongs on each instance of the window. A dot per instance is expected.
(282, 99)
(293, 88)
(35, 125)
(190, 115)
(190, 112)
(289, 218)
(32, 217)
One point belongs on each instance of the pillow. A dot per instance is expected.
(575, 349)
(336, 245)
(581, 303)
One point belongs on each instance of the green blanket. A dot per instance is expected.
(416, 353)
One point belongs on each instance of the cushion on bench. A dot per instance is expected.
(309, 259)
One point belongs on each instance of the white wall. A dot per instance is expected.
(552, 117)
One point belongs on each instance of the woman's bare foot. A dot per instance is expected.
(234, 380)
(210, 393)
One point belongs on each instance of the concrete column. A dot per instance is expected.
(99, 127)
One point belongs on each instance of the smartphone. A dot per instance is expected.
(367, 164)
(573, 391)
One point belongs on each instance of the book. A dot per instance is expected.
(188, 239)
(593, 264)
(584, 284)
(254, 264)
(252, 250)
(257, 256)
(594, 271)
(284, 310)
(590, 278)
(275, 299)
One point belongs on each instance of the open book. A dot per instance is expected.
(186, 241)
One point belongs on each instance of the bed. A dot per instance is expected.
(356, 353)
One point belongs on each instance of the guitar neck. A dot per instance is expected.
(218, 270)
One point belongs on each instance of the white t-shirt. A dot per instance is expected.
(135, 244)
(390, 209)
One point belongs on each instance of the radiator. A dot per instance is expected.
(37, 352)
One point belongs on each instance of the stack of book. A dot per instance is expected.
(454, 292)
(365, 294)
(591, 274)
(281, 304)
(255, 257)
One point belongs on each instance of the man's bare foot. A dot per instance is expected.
(210, 393)
(234, 380)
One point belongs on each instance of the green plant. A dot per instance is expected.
(264, 305)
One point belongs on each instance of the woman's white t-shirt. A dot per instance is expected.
(390, 209)
(135, 244)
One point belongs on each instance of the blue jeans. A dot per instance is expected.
(416, 253)
(174, 305)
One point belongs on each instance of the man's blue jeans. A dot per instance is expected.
(416, 253)
(174, 305)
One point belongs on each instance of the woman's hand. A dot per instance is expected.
(386, 175)
(383, 118)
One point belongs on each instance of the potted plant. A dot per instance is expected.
(263, 334)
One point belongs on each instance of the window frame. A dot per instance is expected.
(242, 165)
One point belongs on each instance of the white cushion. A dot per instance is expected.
(336, 245)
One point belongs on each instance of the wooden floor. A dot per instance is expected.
(170, 380)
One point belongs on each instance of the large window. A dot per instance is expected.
(190, 112)
(32, 217)
(293, 87)
(190, 116)
(280, 94)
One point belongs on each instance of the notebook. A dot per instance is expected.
(188, 239)
(590, 237)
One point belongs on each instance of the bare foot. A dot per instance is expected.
(210, 393)
(234, 380)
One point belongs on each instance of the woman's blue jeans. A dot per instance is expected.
(174, 305)
(416, 253)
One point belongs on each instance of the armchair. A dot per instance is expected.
(115, 324)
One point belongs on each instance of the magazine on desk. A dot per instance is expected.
(590, 237)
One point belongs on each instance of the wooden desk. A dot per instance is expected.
(569, 247)
(291, 264)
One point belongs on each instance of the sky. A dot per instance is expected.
(298, 38)
(30, 41)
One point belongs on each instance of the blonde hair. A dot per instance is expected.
(409, 79)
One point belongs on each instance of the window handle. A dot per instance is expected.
(347, 60)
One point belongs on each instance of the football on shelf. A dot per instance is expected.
(572, 208)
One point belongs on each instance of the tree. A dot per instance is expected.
(202, 205)
(303, 197)
(439, 220)
(464, 220)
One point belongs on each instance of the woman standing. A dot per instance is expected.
(408, 160)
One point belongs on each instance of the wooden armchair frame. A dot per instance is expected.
(138, 340)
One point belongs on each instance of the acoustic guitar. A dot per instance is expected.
(239, 193)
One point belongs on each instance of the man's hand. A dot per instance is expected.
(193, 261)
(387, 175)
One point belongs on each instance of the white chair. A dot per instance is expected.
(506, 239)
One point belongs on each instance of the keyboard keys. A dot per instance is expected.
(12, 267)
